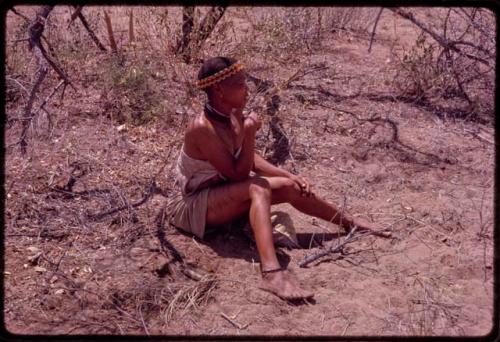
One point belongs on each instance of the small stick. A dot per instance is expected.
(233, 322)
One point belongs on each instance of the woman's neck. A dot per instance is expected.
(225, 110)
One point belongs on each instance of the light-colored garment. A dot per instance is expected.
(187, 208)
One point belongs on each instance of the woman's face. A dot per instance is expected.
(233, 91)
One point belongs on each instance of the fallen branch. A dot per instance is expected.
(395, 132)
(164, 243)
(272, 100)
(333, 249)
(151, 190)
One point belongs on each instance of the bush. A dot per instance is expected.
(129, 93)
(418, 74)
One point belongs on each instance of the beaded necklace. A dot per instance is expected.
(212, 113)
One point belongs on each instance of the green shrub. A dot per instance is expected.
(131, 96)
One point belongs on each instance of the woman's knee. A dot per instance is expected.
(259, 187)
(289, 186)
(285, 190)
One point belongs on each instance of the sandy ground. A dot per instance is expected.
(65, 273)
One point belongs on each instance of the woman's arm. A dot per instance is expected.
(214, 150)
(264, 168)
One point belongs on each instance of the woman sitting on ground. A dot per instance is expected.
(215, 182)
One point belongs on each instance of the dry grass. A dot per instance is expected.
(122, 127)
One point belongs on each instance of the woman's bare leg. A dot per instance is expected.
(229, 201)
(287, 191)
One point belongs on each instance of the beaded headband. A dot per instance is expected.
(219, 76)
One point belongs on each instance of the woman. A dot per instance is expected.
(214, 175)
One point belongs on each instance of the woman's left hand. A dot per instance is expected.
(303, 183)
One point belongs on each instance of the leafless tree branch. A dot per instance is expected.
(374, 28)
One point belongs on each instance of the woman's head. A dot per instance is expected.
(224, 81)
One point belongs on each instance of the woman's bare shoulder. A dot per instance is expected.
(198, 132)
(199, 126)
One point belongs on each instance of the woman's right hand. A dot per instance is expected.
(252, 123)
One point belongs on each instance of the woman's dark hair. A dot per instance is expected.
(214, 65)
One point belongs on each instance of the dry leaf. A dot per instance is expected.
(33, 249)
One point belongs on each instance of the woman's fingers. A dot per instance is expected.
(304, 184)
(252, 121)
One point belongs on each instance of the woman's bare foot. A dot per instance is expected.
(366, 226)
(283, 284)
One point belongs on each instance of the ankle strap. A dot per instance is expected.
(274, 270)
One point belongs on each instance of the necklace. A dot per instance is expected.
(213, 113)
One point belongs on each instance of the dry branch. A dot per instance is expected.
(164, 243)
(187, 28)
(35, 33)
(19, 14)
(395, 132)
(374, 28)
(131, 36)
(78, 10)
(443, 41)
(208, 24)
(333, 249)
(91, 33)
(111, 36)
(152, 189)
(191, 43)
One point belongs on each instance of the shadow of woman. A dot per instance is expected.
(235, 240)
